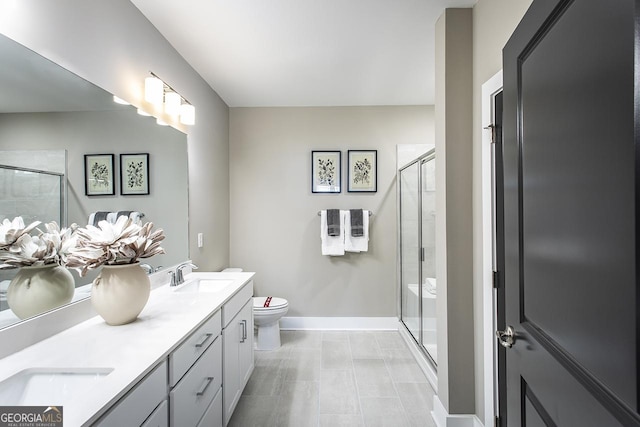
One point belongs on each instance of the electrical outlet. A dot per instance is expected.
(200, 240)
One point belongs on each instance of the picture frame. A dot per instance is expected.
(362, 172)
(134, 174)
(98, 175)
(326, 171)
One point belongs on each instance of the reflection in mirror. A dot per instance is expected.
(49, 120)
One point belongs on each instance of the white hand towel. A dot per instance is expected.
(112, 217)
(356, 244)
(331, 245)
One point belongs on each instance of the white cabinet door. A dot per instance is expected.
(231, 337)
(237, 348)
(246, 346)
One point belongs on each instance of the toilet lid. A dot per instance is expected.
(259, 302)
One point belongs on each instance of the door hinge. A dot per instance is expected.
(422, 254)
(496, 422)
(493, 132)
(496, 280)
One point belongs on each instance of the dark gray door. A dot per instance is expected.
(571, 200)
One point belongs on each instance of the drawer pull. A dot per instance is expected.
(244, 330)
(204, 340)
(206, 386)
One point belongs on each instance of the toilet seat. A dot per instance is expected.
(276, 303)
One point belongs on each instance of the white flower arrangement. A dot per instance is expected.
(18, 248)
(113, 244)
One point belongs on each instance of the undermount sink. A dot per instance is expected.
(49, 386)
(204, 285)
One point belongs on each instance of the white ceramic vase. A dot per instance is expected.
(37, 289)
(120, 292)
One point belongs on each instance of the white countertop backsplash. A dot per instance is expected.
(132, 350)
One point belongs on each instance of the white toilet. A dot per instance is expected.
(266, 317)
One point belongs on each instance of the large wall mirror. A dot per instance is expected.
(49, 120)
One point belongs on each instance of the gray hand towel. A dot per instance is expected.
(357, 226)
(99, 216)
(333, 222)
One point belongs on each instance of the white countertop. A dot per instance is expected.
(131, 350)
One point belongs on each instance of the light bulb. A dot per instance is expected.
(187, 114)
(172, 103)
(153, 90)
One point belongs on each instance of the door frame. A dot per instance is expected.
(489, 309)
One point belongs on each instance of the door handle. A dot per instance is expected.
(205, 387)
(204, 340)
(506, 337)
(244, 330)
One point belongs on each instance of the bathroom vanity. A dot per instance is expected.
(183, 362)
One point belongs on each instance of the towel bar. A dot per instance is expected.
(370, 213)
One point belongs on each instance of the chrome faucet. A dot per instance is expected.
(172, 280)
(179, 277)
(147, 268)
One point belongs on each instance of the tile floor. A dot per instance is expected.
(336, 379)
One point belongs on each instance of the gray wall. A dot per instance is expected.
(275, 229)
(454, 306)
(111, 44)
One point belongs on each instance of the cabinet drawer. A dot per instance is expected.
(159, 417)
(193, 347)
(235, 304)
(136, 405)
(213, 416)
(191, 397)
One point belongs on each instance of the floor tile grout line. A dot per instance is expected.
(355, 381)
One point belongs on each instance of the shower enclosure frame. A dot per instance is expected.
(419, 340)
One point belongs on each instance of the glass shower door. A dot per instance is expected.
(428, 241)
(410, 248)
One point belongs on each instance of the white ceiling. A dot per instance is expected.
(307, 52)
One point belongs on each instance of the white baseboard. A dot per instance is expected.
(340, 323)
(442, 418)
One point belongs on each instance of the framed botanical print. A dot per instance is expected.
(363, 170)
(325, 171)
(134, 174)
(98, 175)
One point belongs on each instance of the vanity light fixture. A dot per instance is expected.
(162, 122)
(157, 92)
(143, 113)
